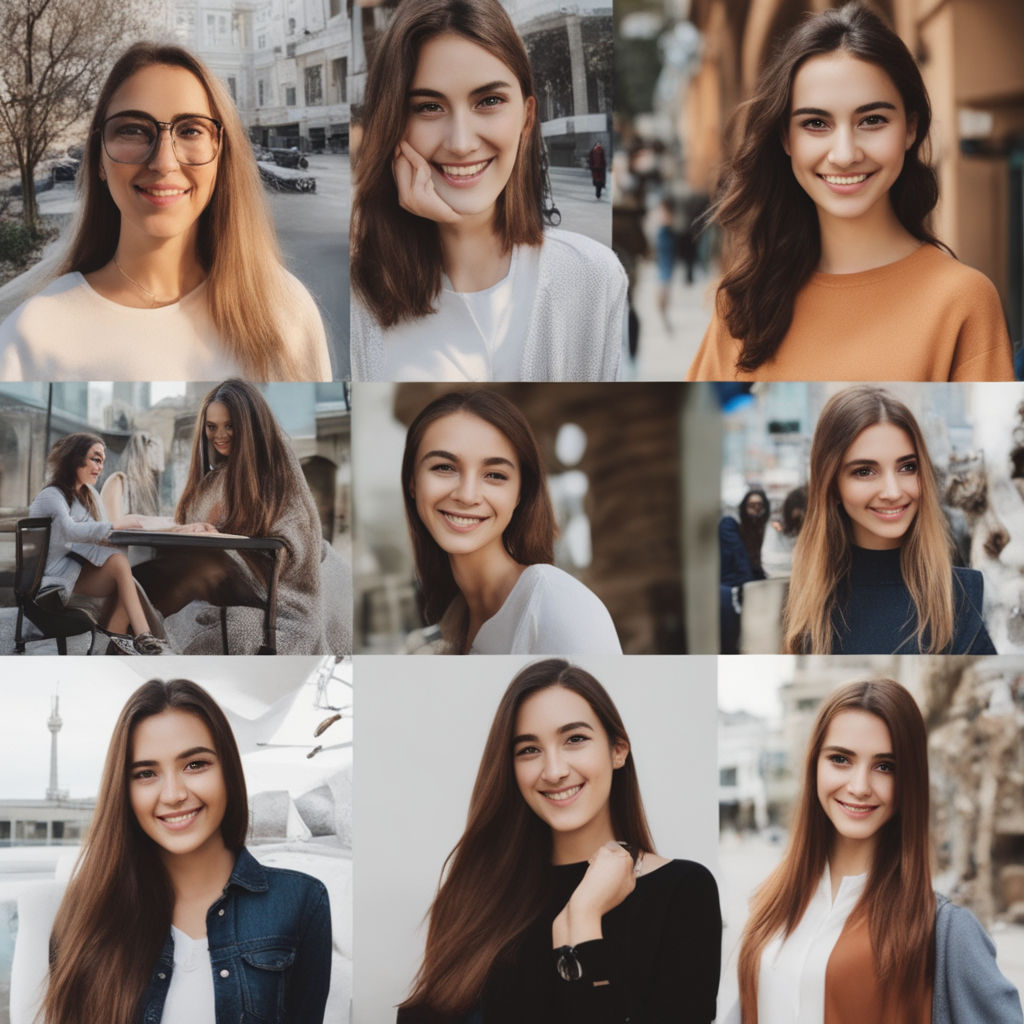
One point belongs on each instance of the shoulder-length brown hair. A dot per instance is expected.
(66, 457)
(396, 256)
(899, 902)
(821, 557)
(236, 245)
(260, 472)
(530, 535)
(770, 221)
(496, 879)
(116, 912)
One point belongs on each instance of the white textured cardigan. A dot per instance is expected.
(576, 322)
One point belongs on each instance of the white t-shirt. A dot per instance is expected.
(548, 612)
(68, 331)
(190, 998)
(791, 983)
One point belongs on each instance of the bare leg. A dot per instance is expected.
(114, 579)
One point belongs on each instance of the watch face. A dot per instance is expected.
(569, 968)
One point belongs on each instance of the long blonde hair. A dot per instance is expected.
(822, 559)
(246, 286)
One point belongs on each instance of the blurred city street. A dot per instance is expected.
(581, 211)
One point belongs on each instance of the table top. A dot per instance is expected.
(169, 539)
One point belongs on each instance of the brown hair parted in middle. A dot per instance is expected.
(66, 457)
(260, 477)
(116, 912)
(236, 244)
(496, 876)
(396, 256)
(529, 538)
(899, 902)
(822, 556)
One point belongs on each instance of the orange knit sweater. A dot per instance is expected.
(925, 317)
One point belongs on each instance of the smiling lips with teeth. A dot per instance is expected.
(179, 818)
(847, 179)
(563, 794)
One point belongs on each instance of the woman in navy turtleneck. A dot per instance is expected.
(872, 568)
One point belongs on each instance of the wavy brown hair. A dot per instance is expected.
(246, 287)
(898, 902)
(67, 456)
(260, 472)
(770, 222)
(497, 878)
(396, 256)
(529, 537)
(822, 557)
(116, 912)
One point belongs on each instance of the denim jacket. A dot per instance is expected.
(270, 950)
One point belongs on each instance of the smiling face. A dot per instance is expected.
(847, 135)
(175, 783)
(856, 785)
(160, 198)
(465, 483)
(563, 761)
(467, 117)
(89, 472)
(220, 431)
(879, 486)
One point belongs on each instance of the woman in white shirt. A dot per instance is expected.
(453, 273)
(483, 533)
(174, 271)
(847, 928)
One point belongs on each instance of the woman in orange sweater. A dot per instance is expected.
(834, 274)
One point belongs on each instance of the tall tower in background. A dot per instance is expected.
(54, 723)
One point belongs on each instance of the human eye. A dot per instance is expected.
(814, 124)
(492, 101)
(197, 764)
(497, 474)
(838, 759)
(862, 472)
(133, 129)
(526, 750)
(576, 738)
(885, 766)
(192, 128)
(427, 107)
(442, 467)
(909, 467)
(143, 774)
(874, 121)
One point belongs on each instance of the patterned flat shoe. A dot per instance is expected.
(146, 643)
(120, 644)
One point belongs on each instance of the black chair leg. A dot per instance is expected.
(62, 645)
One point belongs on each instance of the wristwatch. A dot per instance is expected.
(567, 963)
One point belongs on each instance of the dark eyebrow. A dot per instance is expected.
(863, 109)
(562, 729)
(872, 462)
(434, 94)
(145, 113)
(849, 753)
(183, 756)
(494, 460)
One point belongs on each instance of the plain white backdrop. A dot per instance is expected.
(422, 723)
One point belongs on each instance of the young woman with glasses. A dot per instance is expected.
(174, 271)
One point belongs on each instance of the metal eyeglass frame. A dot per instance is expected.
(161, 126)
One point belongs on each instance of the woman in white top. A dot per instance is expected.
(168, 919)
(847, 928)
(483, 533)
(454, 276)
(174, 271)
(78, 561)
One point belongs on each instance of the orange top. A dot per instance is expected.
(924, 317)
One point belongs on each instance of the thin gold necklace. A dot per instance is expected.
(141, 287)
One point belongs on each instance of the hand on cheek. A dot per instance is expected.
(416, 192)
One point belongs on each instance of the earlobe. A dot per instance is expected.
(620, 751)
(531, 112)
(911, 132)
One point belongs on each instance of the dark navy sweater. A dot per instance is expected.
(876, 613)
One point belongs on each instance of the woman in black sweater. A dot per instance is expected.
(872, 567)
(555, 906)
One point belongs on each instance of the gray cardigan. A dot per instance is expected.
(969, 987)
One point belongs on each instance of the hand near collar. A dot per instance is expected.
(416, 192)
(607, 882)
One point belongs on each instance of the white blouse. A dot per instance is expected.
(791, 984)
(190, 994)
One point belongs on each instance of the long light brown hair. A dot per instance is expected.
(770, 221)
(395, 255)
(822, 558)
(139, 466)
(260, 472)
(67, 456)
(496, 879)
(116, 912)
(899, 902)
(246, 287)
(530, 535)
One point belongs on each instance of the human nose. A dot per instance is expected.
(891, 485)
(859, 783)
(467, 489)
(844, 149)
(462, 137)
(163, 157)
(554, 769)
(172, 789)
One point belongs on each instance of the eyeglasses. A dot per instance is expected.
(133, 137)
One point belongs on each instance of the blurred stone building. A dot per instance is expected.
(969, 52)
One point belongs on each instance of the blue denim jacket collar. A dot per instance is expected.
(249, 873)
